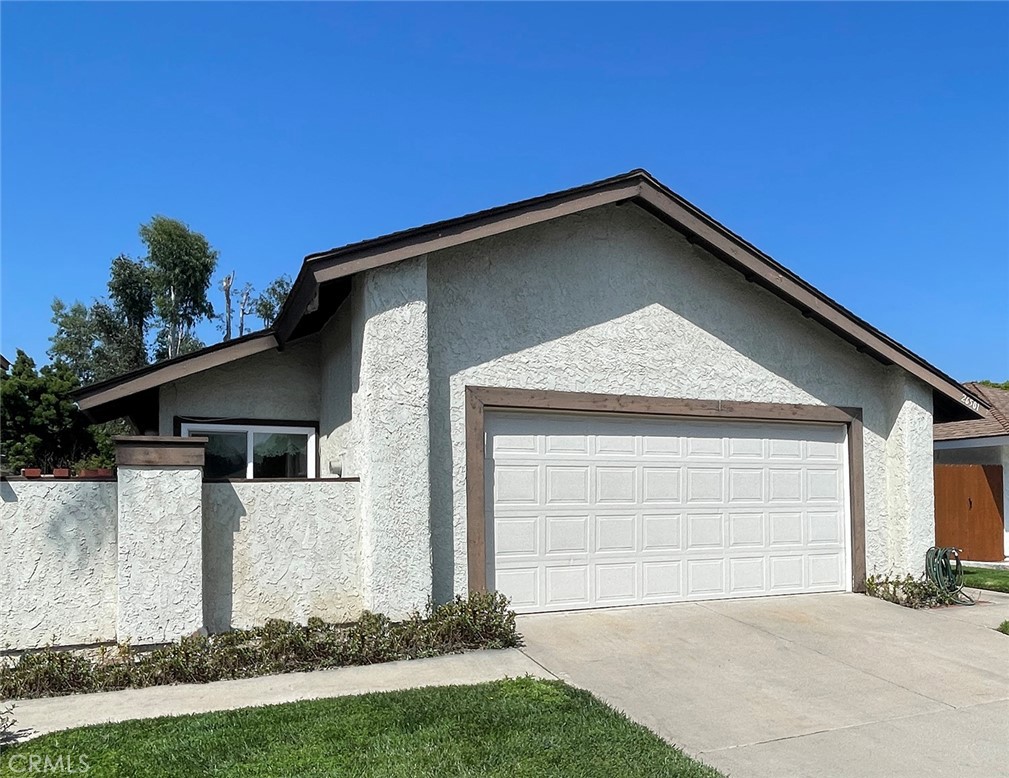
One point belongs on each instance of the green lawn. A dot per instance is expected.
(513, 728)
(983, 578)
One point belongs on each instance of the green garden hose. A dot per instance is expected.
(943, 568)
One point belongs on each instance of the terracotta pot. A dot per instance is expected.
(31, 472)
(95, 472)
(61, 472)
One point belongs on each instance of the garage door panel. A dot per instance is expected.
(705, 576)
(616, 484)
(662, 532)
(747, 575)
(590, 511)
(567, 535)
(617, 582)
(661, 484)
(616, 534)
(516, 485)
(567, 484)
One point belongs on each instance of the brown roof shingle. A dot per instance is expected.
(994, 423)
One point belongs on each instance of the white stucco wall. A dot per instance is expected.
(57, 562)
(277, 550)
(391, 428)
(612, 301)
(160, 553)
(336, 387)
(269, 385)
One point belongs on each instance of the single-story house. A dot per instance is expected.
(597, 397)
(971, 502)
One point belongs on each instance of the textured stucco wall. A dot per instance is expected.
(270, 385)
(160, 562)
(612, 301)
(390, 412)
(57, 562)
(280, 551)
(336, 385)
(910, 486)
(985, 455)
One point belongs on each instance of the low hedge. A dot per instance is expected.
(908, 591)
(481, 620)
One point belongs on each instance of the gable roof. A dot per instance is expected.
(324, 280)
(994, 421)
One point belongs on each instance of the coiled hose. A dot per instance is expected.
(943, 568)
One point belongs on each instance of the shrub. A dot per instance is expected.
(908, 591)
(481, 620)
(1003, 628)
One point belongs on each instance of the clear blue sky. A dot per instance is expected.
(864, 146)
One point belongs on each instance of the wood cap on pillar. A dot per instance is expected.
(159, 450)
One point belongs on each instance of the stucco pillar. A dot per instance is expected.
(160, 559)
(909, 474)
(391, 410)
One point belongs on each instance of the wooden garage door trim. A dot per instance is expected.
(479, 399)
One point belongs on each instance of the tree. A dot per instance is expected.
(226, 283)
(132, 300)
(269, 303)
(1003, 385)
(74, 339)
(245, 306)
(40, 424)
(181, 264)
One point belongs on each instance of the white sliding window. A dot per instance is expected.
(255, 451)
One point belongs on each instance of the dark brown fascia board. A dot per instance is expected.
(155, 375)
(639, 187)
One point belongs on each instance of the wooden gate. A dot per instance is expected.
(969, 511)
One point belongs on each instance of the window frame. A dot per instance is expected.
(195, 428)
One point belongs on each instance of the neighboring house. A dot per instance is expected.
(597, 397)
(4, 362)
(983, 441)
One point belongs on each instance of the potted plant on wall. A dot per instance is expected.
(93, 467)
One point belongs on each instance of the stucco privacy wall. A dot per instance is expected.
(160, 553)
(612, 301)
(276, 550)
(57, 562)
(248, 388)
(391, 430)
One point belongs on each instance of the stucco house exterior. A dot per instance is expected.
(983, 441)
(594, 398)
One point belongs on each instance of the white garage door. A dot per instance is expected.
(588, 511)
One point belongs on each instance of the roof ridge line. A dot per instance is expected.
(995, 410)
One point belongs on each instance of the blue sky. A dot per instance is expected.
(864, 146)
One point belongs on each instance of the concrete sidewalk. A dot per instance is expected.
(38, 717)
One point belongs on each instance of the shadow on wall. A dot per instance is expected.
(223, 512)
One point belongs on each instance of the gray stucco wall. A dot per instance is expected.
(270, 385)
(57, 562)
(612, 301)
(280, 550)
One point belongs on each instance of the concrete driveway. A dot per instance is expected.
(813, 685)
